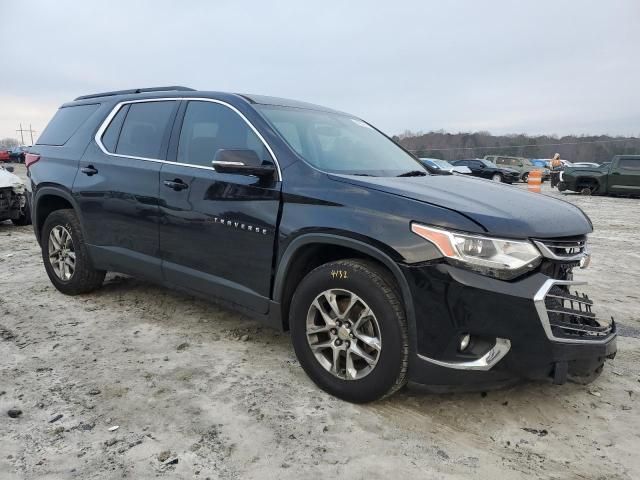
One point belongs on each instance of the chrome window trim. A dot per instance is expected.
(116, 109)
(484, 363)
(541, 308)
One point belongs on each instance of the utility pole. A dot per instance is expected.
(22, 131)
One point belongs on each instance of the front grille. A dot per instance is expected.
(571, 316)
(564, 249)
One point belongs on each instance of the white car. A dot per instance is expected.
(14, 198)
(445, 166)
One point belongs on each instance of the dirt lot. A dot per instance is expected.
(198, 391)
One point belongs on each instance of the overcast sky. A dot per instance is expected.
(503, 66)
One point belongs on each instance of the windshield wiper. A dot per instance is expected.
(413, 173)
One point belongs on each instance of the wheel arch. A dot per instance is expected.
(588, 181)
(49, 199)
(293, 266)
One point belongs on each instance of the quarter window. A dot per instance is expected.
(65, 123)
(209, 127)
(144, 129)
(111, 134)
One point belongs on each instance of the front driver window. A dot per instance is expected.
(209, 127)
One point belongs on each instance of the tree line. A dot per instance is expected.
(455, 146)
(8, 143)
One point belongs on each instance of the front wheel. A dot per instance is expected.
(65, 255)
(525, 177)
(496, 177)
(349, 330)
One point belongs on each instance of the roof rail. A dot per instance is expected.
(135, 90)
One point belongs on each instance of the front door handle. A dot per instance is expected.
(175, 184)
(90, 170)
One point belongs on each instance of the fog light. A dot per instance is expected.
(464, 342)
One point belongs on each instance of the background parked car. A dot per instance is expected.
(621, 176)
(14, 198)
(485, 169)
(444, 166)
(18, 153)
(520, 164)
(545, 165)
(5, 156)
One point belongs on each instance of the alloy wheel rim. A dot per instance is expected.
(62, 255)
(496, 178)
(343, 334)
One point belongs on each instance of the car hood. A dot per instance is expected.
(9, 180)
(501, 210)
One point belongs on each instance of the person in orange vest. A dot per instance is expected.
(556, 166)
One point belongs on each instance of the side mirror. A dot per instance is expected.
(9, 169)
(241, 162)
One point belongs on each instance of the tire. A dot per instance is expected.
(496, 177)
(84, 278)
(586, 191)
(25, 218)
(365, 380)
(525, 177)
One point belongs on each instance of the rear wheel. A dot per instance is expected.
(65, 255)
(349, 331)
(496, 177)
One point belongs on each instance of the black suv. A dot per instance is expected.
(487, 169)
(315, 222)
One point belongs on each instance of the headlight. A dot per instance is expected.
(495, 257)
(18, 189)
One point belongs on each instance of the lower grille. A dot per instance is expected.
(571, 316)
(568, 317)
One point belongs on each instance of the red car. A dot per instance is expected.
(4, 156)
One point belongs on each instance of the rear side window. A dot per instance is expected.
(65, 123)
(144, 128)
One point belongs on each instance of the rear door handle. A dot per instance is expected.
(175, 184)
(90, 170)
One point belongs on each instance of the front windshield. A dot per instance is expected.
(489, 163)
(339, 143)
(442, 163)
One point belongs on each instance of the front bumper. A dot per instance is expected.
(11, 203)
(511, 177)
(514, 337)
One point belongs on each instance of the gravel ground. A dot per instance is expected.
(198, 391)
